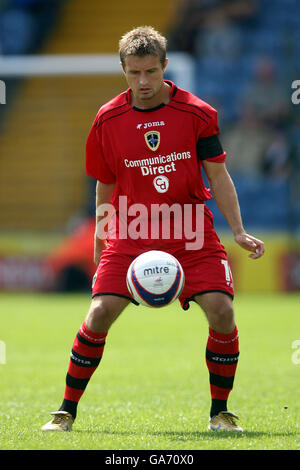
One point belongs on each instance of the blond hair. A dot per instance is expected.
(142, 41)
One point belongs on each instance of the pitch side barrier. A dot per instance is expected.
(181, 66)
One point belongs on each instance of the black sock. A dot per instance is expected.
(217, 406)
(70, 407)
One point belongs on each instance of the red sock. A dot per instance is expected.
(87, 351)
(222, 352)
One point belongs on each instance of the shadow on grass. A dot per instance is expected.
(192, 435)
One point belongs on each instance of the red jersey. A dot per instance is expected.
(154, 155)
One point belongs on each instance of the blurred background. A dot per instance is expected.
(241, 56)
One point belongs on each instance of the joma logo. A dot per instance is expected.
(146, 125)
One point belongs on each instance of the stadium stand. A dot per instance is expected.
(26, 24)
(53, 110)
(248, 60)
(43, 127)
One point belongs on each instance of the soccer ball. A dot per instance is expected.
(155, 279)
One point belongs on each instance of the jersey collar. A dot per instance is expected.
(161, 105)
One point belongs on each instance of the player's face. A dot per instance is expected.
(144, 76)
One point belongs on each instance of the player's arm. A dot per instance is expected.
(103, 196)
(226, 198)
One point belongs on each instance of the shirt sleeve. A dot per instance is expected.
(209, 146)
(95, 164)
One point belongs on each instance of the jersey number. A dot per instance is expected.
(228, 275)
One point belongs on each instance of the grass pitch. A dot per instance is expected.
(151, 389)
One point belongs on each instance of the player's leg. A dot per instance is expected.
(86, 354)
(222, 352)
(219, 311)
(104, 310)
(110, 297)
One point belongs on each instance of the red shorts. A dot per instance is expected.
(206, 270)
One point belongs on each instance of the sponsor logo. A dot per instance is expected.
(80, 361)
(161, 184)
(146, 125)
(152, 139)
(224, 359)
(156, 270)
(158, 164)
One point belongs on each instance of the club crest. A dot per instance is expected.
(152, 139)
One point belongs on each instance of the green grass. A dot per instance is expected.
(151, 390)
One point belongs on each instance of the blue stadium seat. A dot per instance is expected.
(263, 204)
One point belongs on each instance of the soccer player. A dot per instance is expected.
(149, 144)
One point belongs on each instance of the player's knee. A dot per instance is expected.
(221, 316)
(100, 308)
(102, 314)
(225, 310)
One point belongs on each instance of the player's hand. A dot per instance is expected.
(256, 246)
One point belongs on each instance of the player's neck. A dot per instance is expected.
(162, 97)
